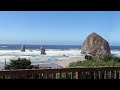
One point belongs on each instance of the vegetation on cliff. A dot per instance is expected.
(107, 61)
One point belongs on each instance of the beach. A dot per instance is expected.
(65, 63)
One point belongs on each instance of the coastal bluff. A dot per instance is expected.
(96, 46)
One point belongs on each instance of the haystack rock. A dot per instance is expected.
(42, 50)
(23, 48)
(96, 46)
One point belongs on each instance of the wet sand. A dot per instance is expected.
(65, 63)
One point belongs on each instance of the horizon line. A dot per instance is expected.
(46, 44)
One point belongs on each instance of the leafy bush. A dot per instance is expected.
(20, 63)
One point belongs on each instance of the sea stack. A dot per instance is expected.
(96, 46)
(42, 50)
(23, 48)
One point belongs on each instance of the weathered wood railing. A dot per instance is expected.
(65, 73)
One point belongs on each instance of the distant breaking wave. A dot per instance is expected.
(70, 49)
(3, 46)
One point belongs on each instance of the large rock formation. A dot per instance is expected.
(42, 50)
(96, 46)
(23, 48)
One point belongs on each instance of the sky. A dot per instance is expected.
(58, 27)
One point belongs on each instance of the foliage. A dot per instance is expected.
(20, 63)
(107, 61)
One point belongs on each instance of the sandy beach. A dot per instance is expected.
(65, 63)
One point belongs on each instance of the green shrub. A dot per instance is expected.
(20, 63)
(107, 61)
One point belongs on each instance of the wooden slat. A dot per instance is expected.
(25, 76)
(72, 75)
(60, 75)
(99, 74)
(32, 77)
(89, 75)
(94, 75)
(39, 76)
(119, 74)
(104, 74)
(115, 74)
(78, 75)
(110, 74)
(46, 76)
(57, 75)
(66, 75)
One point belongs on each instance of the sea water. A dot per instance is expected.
(54, 53)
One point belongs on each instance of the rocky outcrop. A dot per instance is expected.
(23, 48)
(42, 50)
(96, 46)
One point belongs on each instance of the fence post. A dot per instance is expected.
(72, 75)
(54, 75)
(5, 64)
(66, 75)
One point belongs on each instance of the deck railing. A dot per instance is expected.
(64, 73)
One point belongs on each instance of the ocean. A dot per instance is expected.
(54, 53)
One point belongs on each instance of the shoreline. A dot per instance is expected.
(65, 63)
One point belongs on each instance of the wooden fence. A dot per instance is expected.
(64, 73)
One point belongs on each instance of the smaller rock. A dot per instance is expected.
(42, 50)
(23, 48)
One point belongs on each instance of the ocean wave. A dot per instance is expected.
(54, 50)
(69, 49)
(52, 55)
(49, 52)
(115, 52)
(3, 46)
(36, 54)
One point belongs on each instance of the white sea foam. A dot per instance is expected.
(115, 52)
(34, 55)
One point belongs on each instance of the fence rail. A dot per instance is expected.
(64, 73)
